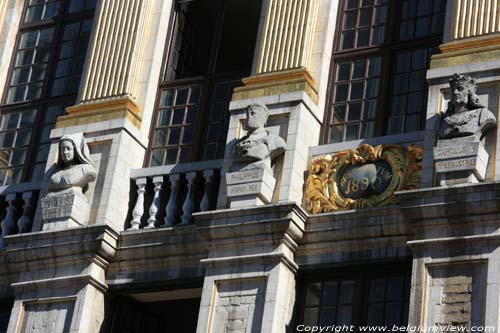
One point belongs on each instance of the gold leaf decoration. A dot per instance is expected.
(323, 193)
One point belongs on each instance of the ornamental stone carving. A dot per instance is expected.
(73, 165)
(459, 155)
(465, 116)
(251, 181)
(65, 205)
(362, 178)
(259, 147)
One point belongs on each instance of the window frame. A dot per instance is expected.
(357, 273)
(58, 22)
(386, 51)
(208, 82)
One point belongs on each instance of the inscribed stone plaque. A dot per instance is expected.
(239, 306)
(47, 317)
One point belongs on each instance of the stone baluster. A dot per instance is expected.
(155, 205)
(24, 222)
(139, 204)
(171, 211)
(9, 224)
(189, 203)
(206, 202)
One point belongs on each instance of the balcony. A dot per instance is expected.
(168, 195)
(19, 202)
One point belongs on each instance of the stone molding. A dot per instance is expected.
(104, 110)
(275, 83)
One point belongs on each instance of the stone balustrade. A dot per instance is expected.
(169, 195)
(17, 206)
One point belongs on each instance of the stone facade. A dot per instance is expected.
(204, 246)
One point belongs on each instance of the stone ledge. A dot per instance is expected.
(450, 201)
(52, 248)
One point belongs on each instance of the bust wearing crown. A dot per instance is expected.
(465, 116)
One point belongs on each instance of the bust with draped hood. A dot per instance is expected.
(73, 168)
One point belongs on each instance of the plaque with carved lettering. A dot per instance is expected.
(363, 181)
(363, 177)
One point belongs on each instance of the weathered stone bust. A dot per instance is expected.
(465, 115)
(259, 147)
(73, 166)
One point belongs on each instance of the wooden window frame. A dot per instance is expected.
(386, 51)
(208, 82)
(46, 100)
(361, 274)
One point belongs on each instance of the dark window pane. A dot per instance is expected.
(185, 155)
(336, 134)
(350, 19)
(164, 117)
(344, 315)
(339, 114)
(377, 290)
(374, 67)
(27, 118)
(358, 70)
(328, 316)
(171, 156)
(330, 293)
(365, 17)
(160, 137)
(356, 90)
(174, 135)
(313, 294)
(395, 125)
(21, 75)
(341, 92)
(375, 312)
(412, 123)
(370, 109)
(344, 71)
(381, 14)
(363, 37)
(18, 156)
(181, 97)
(167, 97)
(378, 35)
(352, 132)
(157, 157)
(25, 57)
(347, 40)
(367, 130)
(352, 4)
(372, 88)
(187, 136)
(311, 316)
(354, 111)
(178, 116)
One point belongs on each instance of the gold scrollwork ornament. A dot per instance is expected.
(322, 189)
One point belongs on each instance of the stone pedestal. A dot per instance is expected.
(61, 279)
(250, 272)
(460, 160)
(65, 209)
(250, 188)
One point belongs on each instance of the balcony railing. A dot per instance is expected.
(169, 195)
(17, 205)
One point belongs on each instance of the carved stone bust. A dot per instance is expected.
(465, 116)
(73, 166)
(259, 147)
